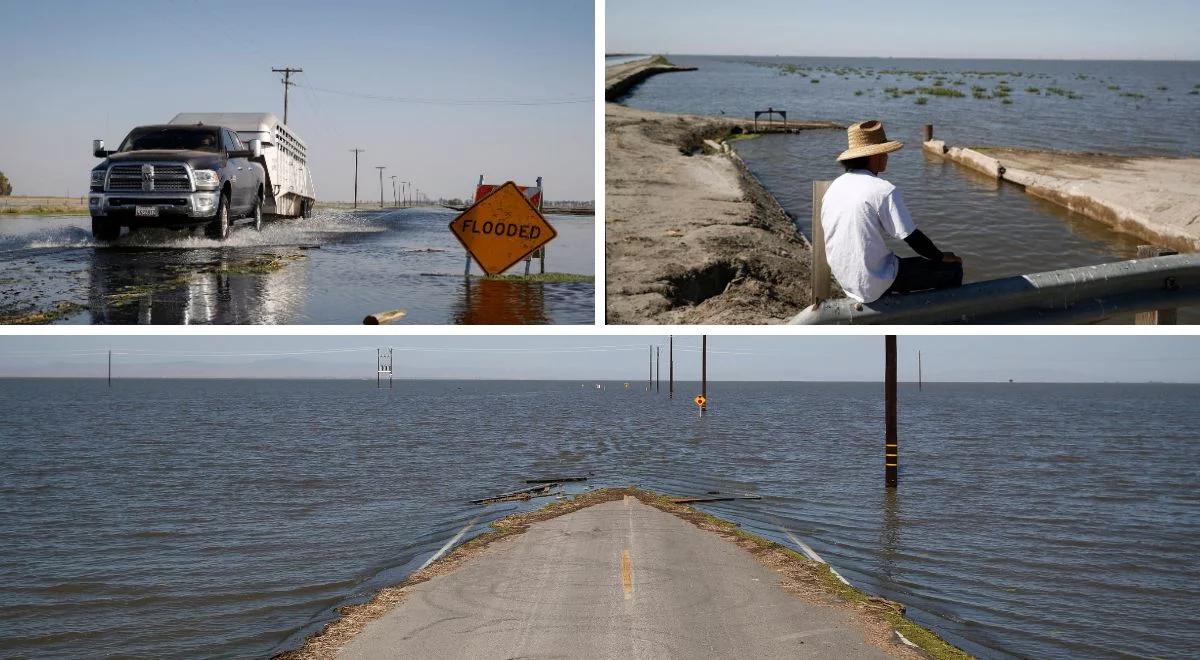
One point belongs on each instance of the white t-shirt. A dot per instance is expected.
(858, 209)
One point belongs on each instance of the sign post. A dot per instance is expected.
(502, 228)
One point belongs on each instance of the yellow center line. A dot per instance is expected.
(627, 575)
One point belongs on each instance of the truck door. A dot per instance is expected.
(239, 167)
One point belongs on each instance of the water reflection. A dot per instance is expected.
(190, 287)
(889, 534)
(501, 302)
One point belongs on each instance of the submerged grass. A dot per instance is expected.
(542, 277)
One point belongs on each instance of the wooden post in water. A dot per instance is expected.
(110, 368)
(820, 267)
(891, 447)
(928, 132)
(1157, 316)
(657, 369)
(671, 369)
(704, 372)
(467, 268)
(650, 383)
(920, 379)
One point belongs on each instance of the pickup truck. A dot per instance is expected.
(172, 175)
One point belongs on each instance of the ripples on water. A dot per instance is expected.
(205, 518)
(339, 267)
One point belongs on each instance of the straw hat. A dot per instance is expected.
(867, 139)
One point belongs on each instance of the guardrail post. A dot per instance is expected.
(1158, 316)
(820, 267)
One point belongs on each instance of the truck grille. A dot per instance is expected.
(162, 178)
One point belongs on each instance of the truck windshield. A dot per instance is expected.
(143, 139)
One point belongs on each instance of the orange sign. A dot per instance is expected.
(700, 400)
(533, 193)
(502, 229)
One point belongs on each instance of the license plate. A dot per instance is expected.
(146, 212)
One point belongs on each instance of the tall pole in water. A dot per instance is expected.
(110, 368)
(891, 447)
(377, 369)
(671, 368)
(920, 376)
(650, 383)
(395, 197)
(704, 372)
(390, 370)
(287, 82)
(356, 153)
(381, 168)
(658, 369)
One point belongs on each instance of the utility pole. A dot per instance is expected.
(110, 369)
(920, 378)
(650, 384)
(287, 82)
(395, 197)
(891, 447)
(356, 153)
(404, 192)
(658, 369)
(704, 372)
(671, 368)
(381, 168)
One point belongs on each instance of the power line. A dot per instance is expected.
(450, 102)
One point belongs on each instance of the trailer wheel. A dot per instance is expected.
(256, 213)
(218, 227)
(105, 229)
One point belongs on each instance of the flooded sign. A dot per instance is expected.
(502, 229)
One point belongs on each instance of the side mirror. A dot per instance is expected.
(98, 149)
(256, 148)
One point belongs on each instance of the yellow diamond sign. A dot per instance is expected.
(502, 229)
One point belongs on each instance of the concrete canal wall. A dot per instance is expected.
(1155, 199)
(690, 235)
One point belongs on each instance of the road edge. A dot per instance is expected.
(884, 619)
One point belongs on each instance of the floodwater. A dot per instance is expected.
(334, 268)
(998, 229)
(229, 518)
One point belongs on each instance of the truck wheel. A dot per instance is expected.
(105, 229)
(218, 227)
(256, 213)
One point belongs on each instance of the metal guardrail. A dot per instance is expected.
(1072, 295)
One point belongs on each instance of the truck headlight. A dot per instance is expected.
(206, 179)
(97, 180)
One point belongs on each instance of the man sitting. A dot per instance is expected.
(856, 212)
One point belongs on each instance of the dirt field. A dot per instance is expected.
(690, 236)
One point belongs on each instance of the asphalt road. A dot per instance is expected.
(619, 579)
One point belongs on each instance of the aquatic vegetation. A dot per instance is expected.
(1033, 90)
(814, 80)
(921, 100)
(959, 82)
(1006, 101)
(1066, 93)
(1114, 88)
(1194, 92)
(977, 89)
(858, 92)
(1162, 88)
(940, 91)
(1133, 95)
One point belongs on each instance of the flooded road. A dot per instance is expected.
(230, 518)
(334, 268)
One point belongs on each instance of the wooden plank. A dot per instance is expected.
(821, 282)
(1157, 316)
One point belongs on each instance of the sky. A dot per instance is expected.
(74, 71)
(1015, 29)
(621, 358)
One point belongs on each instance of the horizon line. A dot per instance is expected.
(916, 57)
(603, 380)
